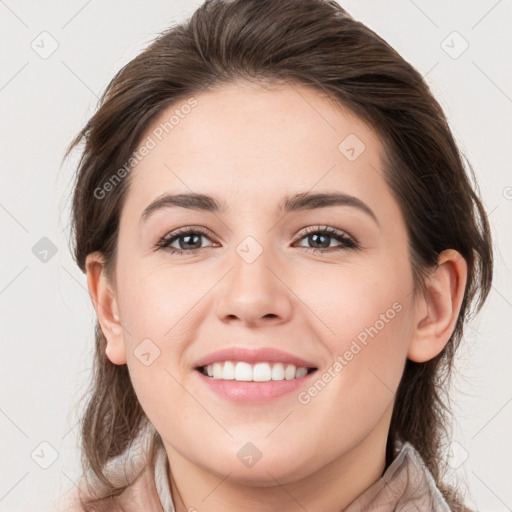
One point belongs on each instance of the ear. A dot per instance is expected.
(438, 308)
(105, 303)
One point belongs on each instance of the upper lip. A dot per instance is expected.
(269, 354)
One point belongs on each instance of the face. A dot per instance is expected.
(327, 281)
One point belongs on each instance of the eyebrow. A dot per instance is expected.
(297, 202)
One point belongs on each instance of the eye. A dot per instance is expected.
(322, 236)
(188, 240)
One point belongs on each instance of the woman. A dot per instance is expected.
(282, 246)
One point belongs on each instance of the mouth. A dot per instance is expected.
(258, 383)
(243, 371)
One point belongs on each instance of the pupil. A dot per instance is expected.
(317, 236)
(187, 237)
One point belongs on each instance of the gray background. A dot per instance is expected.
(47, 319)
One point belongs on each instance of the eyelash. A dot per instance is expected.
(348, 242)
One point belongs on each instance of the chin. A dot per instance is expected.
(265, 471)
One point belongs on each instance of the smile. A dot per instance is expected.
(258, 372)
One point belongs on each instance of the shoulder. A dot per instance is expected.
(133, 470)
(141, 494)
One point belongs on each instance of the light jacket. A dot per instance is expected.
(406, 485)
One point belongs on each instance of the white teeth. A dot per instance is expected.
(289, 372)
(278, 372)
(259, 372)
(228, 372)
(301, 372)
(243, 371)
(217, 371)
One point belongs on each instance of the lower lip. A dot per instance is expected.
(250, 391)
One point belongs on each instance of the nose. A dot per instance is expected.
(255, 292)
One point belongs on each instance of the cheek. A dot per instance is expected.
(368, 318)
(375, 330)
(375, 352)
(356, 301)
(367, 360)
(156, 302)
(160, 312)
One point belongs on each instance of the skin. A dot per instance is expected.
(249, 146)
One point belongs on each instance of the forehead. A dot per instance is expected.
(257, 139)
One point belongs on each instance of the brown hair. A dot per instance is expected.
(317, 44)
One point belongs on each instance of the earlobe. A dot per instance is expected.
(438, 308)
(105, 304)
